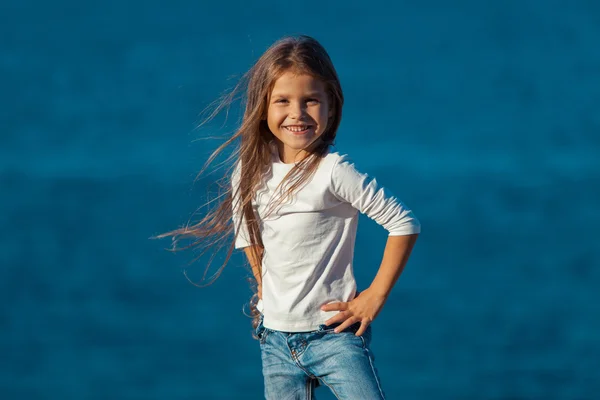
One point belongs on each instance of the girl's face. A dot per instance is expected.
(297, 114)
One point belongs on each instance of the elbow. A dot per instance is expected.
(409, 226)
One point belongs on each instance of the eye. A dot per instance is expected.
(312, 101)
(281, 101)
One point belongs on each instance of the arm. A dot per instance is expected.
(254, 255)
(253, 252)
(242, 236)
(395, 256)
(365, 307)
(364, 194)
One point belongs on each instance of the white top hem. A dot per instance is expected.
(308, 325)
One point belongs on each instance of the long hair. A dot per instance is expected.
(253, 152)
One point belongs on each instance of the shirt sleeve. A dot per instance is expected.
(242, 236)
(367, 196)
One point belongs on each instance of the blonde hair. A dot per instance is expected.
(297, 54)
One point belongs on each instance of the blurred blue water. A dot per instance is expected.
(482, 117)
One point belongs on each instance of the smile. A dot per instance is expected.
(298, 128)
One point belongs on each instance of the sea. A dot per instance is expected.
(482, 117)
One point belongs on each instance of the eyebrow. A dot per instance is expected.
(311, 94)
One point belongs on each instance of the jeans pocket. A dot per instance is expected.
(261, 332)
(367, 335)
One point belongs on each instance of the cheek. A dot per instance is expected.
(325, 113)
(273, 119)
(274, 115)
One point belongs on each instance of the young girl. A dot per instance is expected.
(293, 202)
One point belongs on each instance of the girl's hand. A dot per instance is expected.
(364, 309)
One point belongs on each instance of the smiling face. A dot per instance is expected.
(297, 114)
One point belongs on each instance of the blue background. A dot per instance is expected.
(484, 117)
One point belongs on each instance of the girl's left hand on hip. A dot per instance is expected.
(364, 308)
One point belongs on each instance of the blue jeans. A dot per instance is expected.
(295, 363)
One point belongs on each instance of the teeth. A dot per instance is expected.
(296, 128)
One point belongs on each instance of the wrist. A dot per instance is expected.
(379, 292)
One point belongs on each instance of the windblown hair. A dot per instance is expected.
(253, 151)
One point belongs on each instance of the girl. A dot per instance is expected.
(293, 202)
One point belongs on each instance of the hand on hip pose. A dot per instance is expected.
(364, 308)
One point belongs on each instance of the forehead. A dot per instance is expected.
(290, 83)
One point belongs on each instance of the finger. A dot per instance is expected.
(348, 322)
(339, 317)
(339, 306)
(363, 328)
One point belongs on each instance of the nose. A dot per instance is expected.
(296, 110)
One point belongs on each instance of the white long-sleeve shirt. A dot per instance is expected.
(309, 240)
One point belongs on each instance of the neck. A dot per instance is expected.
(293, 156)
(290, 156)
